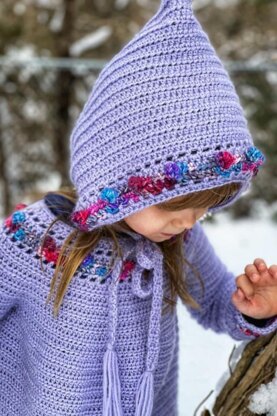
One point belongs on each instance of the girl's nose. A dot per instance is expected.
(185, 220)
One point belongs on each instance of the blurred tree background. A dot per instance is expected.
(39, 103)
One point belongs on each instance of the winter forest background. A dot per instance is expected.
(39, 101)
(41, 98)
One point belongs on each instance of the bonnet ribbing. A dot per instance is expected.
(163, 120)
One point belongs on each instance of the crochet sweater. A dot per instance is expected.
(54, 366)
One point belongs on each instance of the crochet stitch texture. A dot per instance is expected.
(162, 120)
(51, 367)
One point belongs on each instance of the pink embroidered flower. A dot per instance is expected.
(225, 159)
(248, 166)
(132, 196)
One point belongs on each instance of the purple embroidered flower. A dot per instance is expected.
(109, 194)
(88, 261)
(112, 208)
(173, 170)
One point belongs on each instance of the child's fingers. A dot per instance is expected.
(260, 264)
(252, 272)
(245, 285)
(273, 270)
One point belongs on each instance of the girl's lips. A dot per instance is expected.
(168, 235)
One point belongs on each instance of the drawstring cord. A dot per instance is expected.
(148, 257)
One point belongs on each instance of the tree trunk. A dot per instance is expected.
(64, 88)
(256, 366)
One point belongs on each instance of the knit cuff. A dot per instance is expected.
(256, 327)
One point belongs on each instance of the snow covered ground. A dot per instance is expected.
(204, 354)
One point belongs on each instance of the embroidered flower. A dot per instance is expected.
(225, 159)
(19, 234)
(173, 170)
(221, 164)
(18, 217)
(88, 261)
(254, 155)
(20, 206)
(101, 271)
(248, 332)
(127, 269)
(109, 194)
(135, 183)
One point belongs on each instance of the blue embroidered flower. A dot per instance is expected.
(18, 217)
(224, 173)
(19, 235)
(109, 194)
(237, 167)
(101, 271)
(253, 155)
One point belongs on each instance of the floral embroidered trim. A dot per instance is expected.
(248, 332)
(221, 164)
(49, 251)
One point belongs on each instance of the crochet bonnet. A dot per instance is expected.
(163, 120)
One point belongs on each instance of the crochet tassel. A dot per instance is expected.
(145, 394)
(111, 384)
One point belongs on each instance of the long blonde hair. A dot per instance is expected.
(79, 244)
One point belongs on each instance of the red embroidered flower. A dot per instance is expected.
(49, 243)
(81, 216)
(169, 183)
(127, 268)
(51, 255)
(18, 207)
(9, 222)
(136, 183)
(225, 159)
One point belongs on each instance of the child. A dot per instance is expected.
(162, 141)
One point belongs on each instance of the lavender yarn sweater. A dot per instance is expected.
(52, 366)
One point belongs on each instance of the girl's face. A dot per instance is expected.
(154, 222)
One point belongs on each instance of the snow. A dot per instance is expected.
(204, 355)
(121, 4)
(91, 41)
(264, 400)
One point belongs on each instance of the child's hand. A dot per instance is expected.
(256, 295)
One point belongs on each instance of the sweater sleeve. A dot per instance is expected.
(8, 285)
(217, 311)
